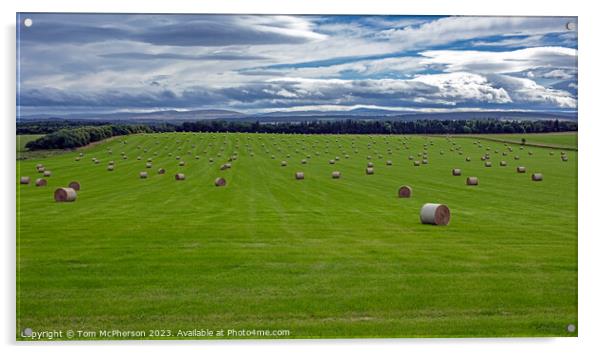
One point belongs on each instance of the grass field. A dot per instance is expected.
(566, 139)
(320, 257)
(24, 139)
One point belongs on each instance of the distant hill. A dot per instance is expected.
(175, 116)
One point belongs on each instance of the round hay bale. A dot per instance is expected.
(369, 170)
(181, 163)
(425, 161)
(537, 177)
(483, 158)
(435, 214)
(517, 157)
(410, 157)
(24, 180)
(370, 164)
(456, 172)
(41, 169)
(283, 163)
(161, 171)
(521, 169)
(110, 167)
(331, 162)
(149, 165)
(336, 174)
(220, 182)
(304, 161)
(47, 173)
(180, 177)
(416, 163)
(564, 158)
(299, 175)
(404, 192)
(389, 163)
(143, 174)
(41, 182)
(39, 165)
(503, 163)
(65, 195)
(177, 157)
(472, 181)
(111, 162)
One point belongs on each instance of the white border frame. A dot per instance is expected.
(589, 190)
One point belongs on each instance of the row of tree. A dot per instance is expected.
(488, 126)
(81, 136)
(76, 135)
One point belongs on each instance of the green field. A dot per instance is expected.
(24, 139)
(319, 257)
(562, 140)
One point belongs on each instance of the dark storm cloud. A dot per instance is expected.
(116, 98)
(167, 30)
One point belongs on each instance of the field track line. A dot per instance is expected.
(557, 147)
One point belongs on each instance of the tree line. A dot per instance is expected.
(65, 134)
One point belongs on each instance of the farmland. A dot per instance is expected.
(319, 257)
(561, 140)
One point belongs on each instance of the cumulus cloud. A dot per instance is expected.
(526, 90)
(462, 86)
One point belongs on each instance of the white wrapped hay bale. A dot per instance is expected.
(180, 177)
(369, 171)
(65, 195)
(41, 182)
(456, 172)
(521, 169)
(537, 177)
(143, 174)
(75, 185)
(299, 175)
(435, 214)
(336, 174)
(24, 180)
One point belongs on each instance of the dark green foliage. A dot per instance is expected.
(73, 134)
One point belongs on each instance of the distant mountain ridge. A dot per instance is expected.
(175, 116)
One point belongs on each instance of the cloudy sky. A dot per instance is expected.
(72, 63)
